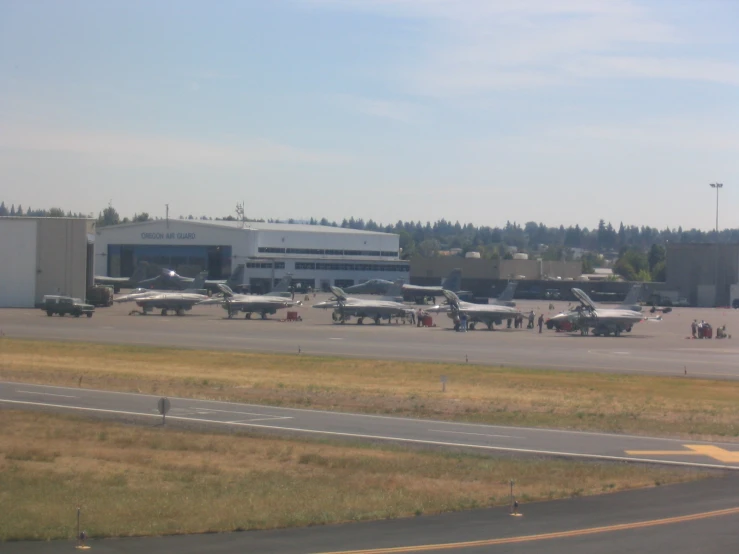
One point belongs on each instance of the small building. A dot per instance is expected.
(44, 255)
(317, 256)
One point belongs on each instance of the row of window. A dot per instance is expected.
(324, 252)
(265, 265)
(351, 267)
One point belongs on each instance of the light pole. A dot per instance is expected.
(717, 186)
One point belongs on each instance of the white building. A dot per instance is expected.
(315, 255)
(44, 255)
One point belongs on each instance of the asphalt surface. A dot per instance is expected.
(699, 517)
(653, 347)
(482, 438)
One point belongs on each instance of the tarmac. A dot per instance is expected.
(653, 347)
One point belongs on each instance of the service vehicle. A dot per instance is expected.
(63, 305)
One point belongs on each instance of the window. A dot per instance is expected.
(271, 250)
(304, 265)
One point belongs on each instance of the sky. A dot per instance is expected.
(478, 111)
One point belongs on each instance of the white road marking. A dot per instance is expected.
(335, 338)
(394, 439)
(417, 420)
(44, 393)
(257, 419)
(206, 411)
(476, 434)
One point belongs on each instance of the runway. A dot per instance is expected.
(315, 423)
(656, 348)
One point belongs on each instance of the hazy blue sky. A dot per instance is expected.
(479, 111)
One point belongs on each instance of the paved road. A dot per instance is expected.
(652, 348)
(483, 438)
(699, 517)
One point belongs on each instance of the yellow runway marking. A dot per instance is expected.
(725, 456)
(545, 536)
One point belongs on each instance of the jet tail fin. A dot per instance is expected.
(395, 290)
(454, 281)
(284, 284)
(138, 275)
(237, 276)
(508, 292)
(199, 281)
(634, 295)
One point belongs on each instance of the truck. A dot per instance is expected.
(63, 305)
(100, 295)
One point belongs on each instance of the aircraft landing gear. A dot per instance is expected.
(247, 315)
(360, 321)
(377, 320)
(490, 326)
(471, 326)
(164, 311)
(180, 312)
(264, 315)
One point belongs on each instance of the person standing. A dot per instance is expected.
(541, 322)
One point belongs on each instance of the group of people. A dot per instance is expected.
(518, 321)
(702, 330)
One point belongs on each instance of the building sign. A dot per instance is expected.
(168, 236)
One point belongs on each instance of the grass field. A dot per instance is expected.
(665, 406)
(140, 480)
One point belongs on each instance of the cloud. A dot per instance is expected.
(158, 151)
(476, 46)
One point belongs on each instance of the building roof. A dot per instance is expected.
(256, 226)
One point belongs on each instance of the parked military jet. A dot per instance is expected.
(178, 302)
(250, 304)
(602, 321)
(135, 294)
(373, 286)
(119, 283)
(488, 314)
(345, 307)
(571, 319)
(420, 292)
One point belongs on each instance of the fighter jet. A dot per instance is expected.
(250, 304)
(373, 286)
(571, 319)
(119, 283)
(452, 283)
(169, 279)
(345, 307)
(178, 302)
(602, 321)
(136, 294)
(488, 314)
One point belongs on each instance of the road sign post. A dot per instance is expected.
(163, 406)
(443, 383)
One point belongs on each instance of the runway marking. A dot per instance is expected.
(382, 437)
(258, 419)
(335, 338)
(44, 393)
(477, 434)
(547, 536)
(725, 456)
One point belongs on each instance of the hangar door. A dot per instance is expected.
(17, 263)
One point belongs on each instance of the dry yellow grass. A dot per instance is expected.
(137, 480)
(611, 402)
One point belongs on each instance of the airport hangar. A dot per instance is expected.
(44, 255)
(315, 255)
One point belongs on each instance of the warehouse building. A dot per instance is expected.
(317, 256)
(41, 256)
(706, 274)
